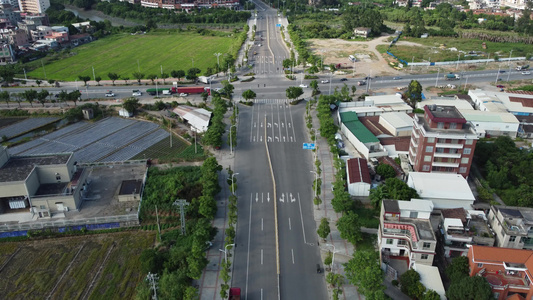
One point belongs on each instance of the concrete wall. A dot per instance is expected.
(360, 189)
(68, 201)
(47, 174)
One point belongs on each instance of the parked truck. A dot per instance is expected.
(234, 293)
(190, 90)
(452, 76)
(204, 79)
(521, 68)
(154, 92)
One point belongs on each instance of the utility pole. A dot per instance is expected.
(44, 70)
(152, 281)
(94, 76)
(182, 203)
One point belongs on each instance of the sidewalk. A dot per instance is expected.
(210, 281)
(343, 249)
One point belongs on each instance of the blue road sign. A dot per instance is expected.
(309, 146)
(278, 25)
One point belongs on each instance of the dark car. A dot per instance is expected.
(344, 79)
(502, 71)
(396, 78)
(500, 86)
(318, 269)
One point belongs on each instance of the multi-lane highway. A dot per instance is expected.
(276, 254)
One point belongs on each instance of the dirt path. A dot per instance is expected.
(369, 60)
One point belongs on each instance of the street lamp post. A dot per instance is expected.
(458, 56)
(230, 139)
(226, 252)
(316, 182)
(232, 185)
(218, 60)
(509, 62)
(156, 90)
(437, 80)
(497, 75)
(333, 258)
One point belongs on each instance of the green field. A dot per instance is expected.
(120, 54)
(39, 266)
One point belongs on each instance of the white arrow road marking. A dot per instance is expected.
(284, 138)
(283, 125)
(261, 124)
(282, 199)
(268, 197)
(292, 198)
(254, 138)
(276, 124)
(269, 125)
(255, 124)
(291, 138)
(289, 124)
(277, 138)
(270, 139)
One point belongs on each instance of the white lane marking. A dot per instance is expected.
(261, 294)
(262, 196)
(261, 224)
(256, 197)
(248, 254)
(292, 253)
(301, 217)
(292, 122)
(268, 197)
(290, 227)
(261, 256)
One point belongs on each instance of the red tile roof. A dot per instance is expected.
(526, 102)
(401, 143)
(485, 254)
(358, 170)
(372, 123)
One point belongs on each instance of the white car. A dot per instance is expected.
(324, 81)
(303, 85)
(110, 94)
(137, 93)
(526, 73)
(183, 94)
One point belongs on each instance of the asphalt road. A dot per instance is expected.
(276, 129)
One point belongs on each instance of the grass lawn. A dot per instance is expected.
(180, 150)
(120, 54)
(433, 52)
(38, 266)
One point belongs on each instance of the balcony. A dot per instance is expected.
(447, 155)
(449, 146)
(445, 164)
(505, 280)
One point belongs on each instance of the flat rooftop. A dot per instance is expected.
(129, 187)
(18, 168)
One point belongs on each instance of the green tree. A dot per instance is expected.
(354, 89)
(51, 81)
(151, 77)
(470, 288)
(125, 80)
(314, 85)
(85, 79)
(386, 171)
(204, 95)
(177, 74)
(38, 82)
(30, 96)
(350, 227)
(7, 73)
(399, 190)
(63, 96)
(191, 293)
(192, 73)
(323, 229)
(113, 77)
(328, 260)
(317, 201)
(248, 94)
(227, 88)
(431, 295)
(294, 92)
(364, 271)
(164, 76)
(345, 93)
(131, 104)
(6, 97)
(74, 96)
(138, 76)
(414, 92)
(458, 269)
(411, 285)
(287, 63)
(41, 96)
(378, 194)
(97, 79)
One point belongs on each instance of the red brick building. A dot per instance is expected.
(442, 141)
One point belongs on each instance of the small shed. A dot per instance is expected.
(358, 177)
(125, 113)
(362, 31)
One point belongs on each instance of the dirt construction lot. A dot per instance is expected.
(101, 266)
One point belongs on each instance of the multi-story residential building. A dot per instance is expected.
(442, 141)
(6, 54)
(518, 4)
(462, 228)
(513, 226)
(34, 6)
(8, 13)
(40, 32)
(405, 231)
(508, 271)
(15, 37)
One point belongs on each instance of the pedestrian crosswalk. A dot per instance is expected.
(272, 101)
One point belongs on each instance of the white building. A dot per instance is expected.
(489, 123)
(430, 278)
(197, 118)
(397, 123)
(405, 231)
(34, 6)
(445, 190)
(517, 104)
(358, 177)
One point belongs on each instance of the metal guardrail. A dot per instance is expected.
(67, 223)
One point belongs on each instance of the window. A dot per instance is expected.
(58, 177)
(413, 214)
(469, 142)
(440, 125)
(467, 150)
(424, 256)
(480, 265)
(426, 245)
(389, 241)
(431, 140)
(427, 158)
(512, 239)
(464, 160)
(429, 148)
(455, 141)
(462, 170)
(42, 207)
(453, 125)
(425, 168)
(402, 242)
